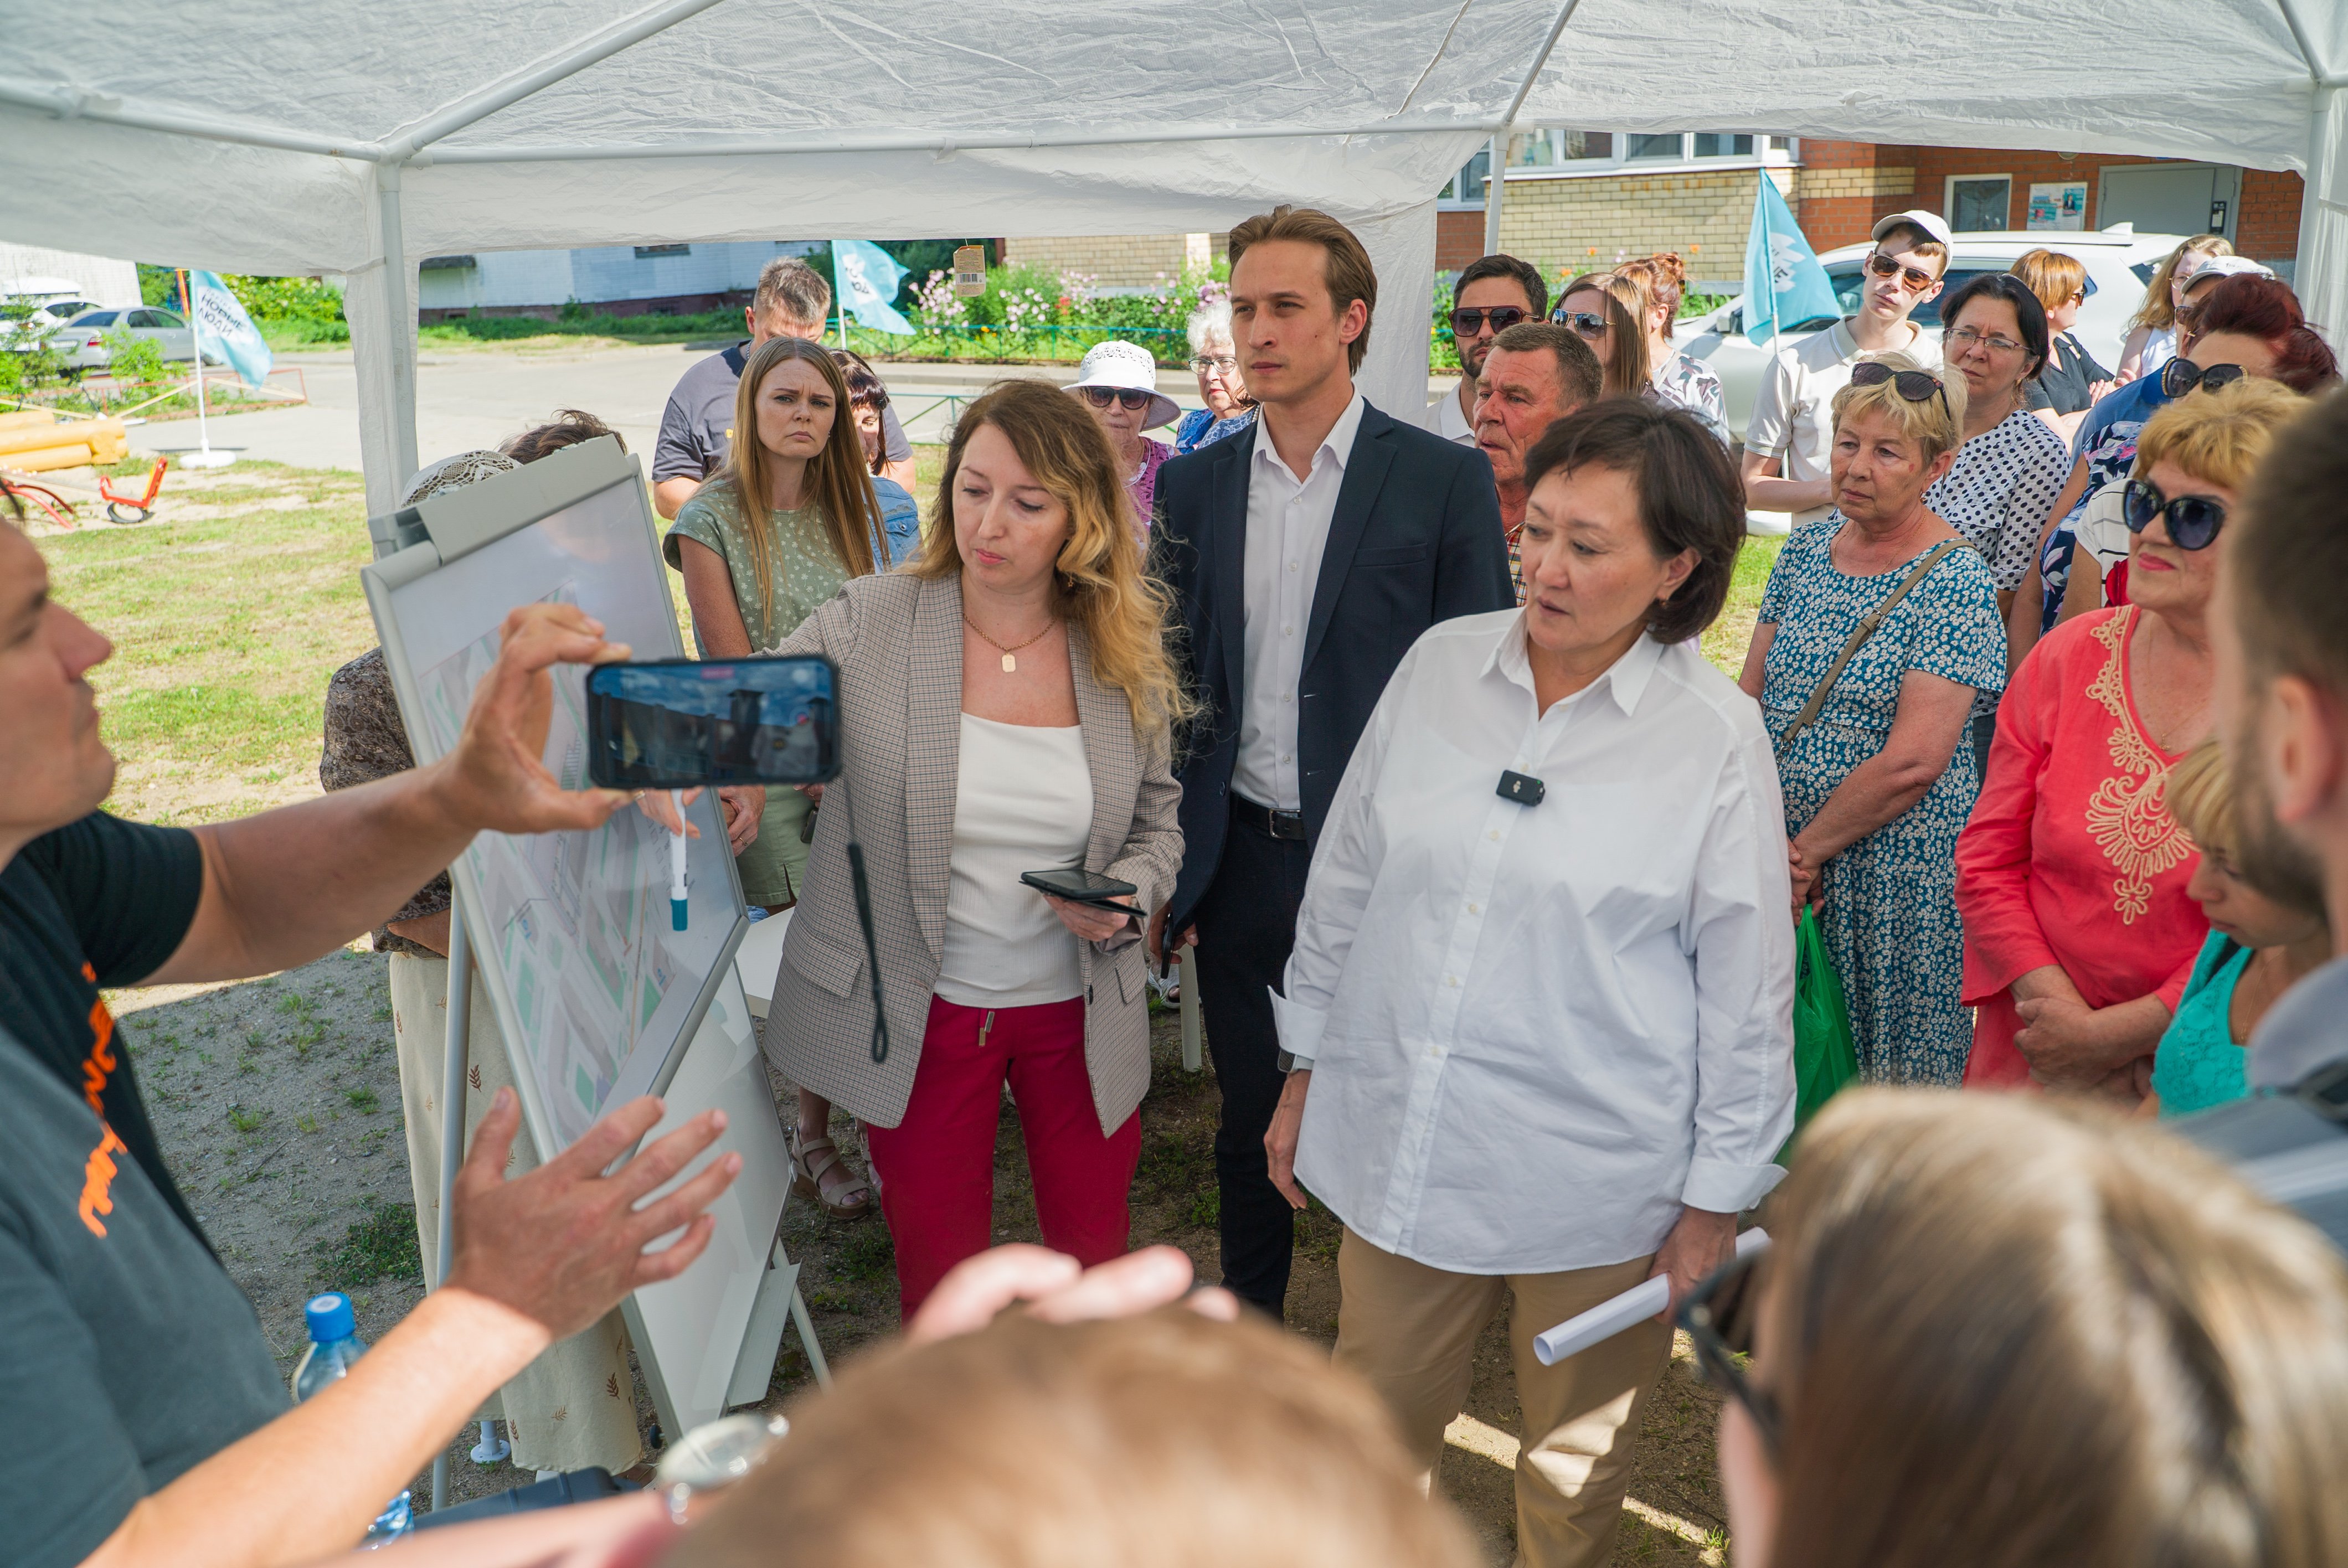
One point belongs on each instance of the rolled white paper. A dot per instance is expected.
(1609, 1318)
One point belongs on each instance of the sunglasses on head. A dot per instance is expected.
(2180, 376)
(1916, 278)
(1914, 386)
(1469, 323)
(1713, 1310)
(1102, 396)
(2192, 521)
(1583, 322)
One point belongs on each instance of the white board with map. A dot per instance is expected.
(602, 992)
(597, 997)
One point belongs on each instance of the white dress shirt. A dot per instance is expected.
(1287, 530)
(1537, 1031)
(1443, 419)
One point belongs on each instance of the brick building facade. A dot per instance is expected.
(1570, 218)
(1119, 260)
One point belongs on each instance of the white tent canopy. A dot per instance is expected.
(333, 136)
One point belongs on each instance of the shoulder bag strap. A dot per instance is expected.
(1865, 630)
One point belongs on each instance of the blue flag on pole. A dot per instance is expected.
(1783, 281)
(225, 328)
(867, 277)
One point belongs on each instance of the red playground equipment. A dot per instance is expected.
(121, 506)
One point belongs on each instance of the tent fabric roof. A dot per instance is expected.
(270, 137)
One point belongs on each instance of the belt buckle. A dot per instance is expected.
(1288, 826)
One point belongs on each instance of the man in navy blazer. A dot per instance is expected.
(1305, 556)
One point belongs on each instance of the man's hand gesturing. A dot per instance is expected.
(496, 779)
(564, 1243)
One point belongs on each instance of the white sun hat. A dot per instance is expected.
(1127, 367)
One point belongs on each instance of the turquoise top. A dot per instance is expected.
(2198, 1063)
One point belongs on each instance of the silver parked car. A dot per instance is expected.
(82, 341)
(2118, 261)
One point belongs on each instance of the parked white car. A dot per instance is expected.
(2118, 263)
(25, 321)
(82, 341)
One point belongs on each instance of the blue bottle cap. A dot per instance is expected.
(676, 907)
(330, 1317)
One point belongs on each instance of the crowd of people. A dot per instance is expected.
(1493, 879)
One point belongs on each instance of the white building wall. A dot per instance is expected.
(106, 282)
(597, 275)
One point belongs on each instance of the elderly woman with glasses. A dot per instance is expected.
(2081, 929)
(1878, 627)
(1214, 360)
(1117, 381)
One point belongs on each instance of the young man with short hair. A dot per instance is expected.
(1790, 442)
(697, 428)
(1493, 295)
(1535, 373)
(1305, 555)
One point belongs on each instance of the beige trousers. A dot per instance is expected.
(575, 1406)
(1411, 1330)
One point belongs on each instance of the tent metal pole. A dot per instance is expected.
(1540, 63)
(454, 1061)
(2321, 272)
(71, 103)
(1496, 173)
(400, 339)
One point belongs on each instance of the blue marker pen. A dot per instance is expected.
(677, 881)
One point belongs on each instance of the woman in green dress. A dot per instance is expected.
(791, 517)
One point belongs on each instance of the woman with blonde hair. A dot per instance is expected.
(1005, 706)
(2262, 941)
(1655, 285)
(2080, 932)
(2152, 331)
(1992, 1331)
(1878, 627)
(792, 516)
(1606, 312)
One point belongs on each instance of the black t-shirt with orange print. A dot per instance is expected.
(99, 902)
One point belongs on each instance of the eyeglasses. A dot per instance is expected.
(1703, 1315)
(1914, 386)
(2192, 521)
(1469, 323)
(1221, 363)
(1883, 266)
(1134, 400)
(1967, 337)
(2180, 376)
(1583, 322)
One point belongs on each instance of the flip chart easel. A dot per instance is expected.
(596, 995)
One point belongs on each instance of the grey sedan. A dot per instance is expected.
(82, 341)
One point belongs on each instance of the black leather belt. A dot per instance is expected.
(1272, 823)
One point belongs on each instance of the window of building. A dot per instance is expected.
(1720, 144)
(646, 252)
(1646, 147)
(1556, 151)
(1979, 203)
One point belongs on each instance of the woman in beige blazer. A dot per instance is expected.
(1005, 706)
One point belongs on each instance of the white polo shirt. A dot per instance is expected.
(1792, 413)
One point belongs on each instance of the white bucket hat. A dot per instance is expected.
(1127, 367)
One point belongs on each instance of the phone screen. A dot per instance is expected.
(677, 723)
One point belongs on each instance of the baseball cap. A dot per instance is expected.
(2228, 267)
(1932, 223)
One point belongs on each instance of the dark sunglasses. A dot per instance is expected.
(1914, 386)
(1712, 1311)
(1102, 396)
(2192, 521)
(1469, 323)
(1583, 322)
(1916, 280)
(2180, 376)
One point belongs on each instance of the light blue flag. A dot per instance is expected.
(226, 330)
(867, 278)
(1783, 281)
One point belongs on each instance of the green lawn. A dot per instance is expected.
(231, 610)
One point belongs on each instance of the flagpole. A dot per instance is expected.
(207, 457)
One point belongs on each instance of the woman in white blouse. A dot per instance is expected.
(1539, 1007)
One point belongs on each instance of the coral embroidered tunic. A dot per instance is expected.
(2071, 856)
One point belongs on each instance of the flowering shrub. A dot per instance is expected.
(1031, 312)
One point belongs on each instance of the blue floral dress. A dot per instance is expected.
(1889, 918)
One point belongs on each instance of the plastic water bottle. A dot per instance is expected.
(334, 1344)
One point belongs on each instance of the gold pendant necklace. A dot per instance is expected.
(1010, 665)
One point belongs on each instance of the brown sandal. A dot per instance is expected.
(818, 1158)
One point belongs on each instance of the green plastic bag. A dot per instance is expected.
(1824, 1059)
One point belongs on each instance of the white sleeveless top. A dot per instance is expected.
(1023, 802)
